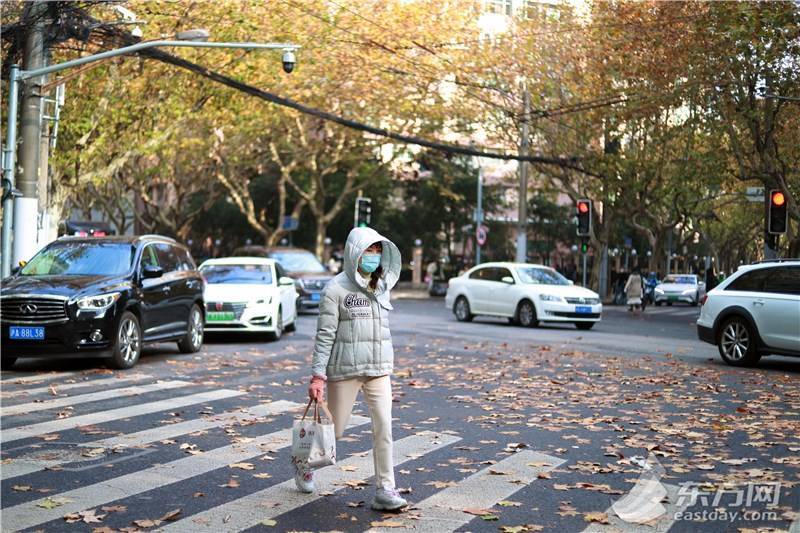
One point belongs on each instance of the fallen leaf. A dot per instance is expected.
(596, 516)
(386, 523)
(21, 488)
(243, 466)
(231, 484)
(268, 523)
(170, 516)
(114, 508)
(52, 503)
(506, 503)
(262, 476)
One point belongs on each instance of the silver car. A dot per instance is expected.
(684, 288)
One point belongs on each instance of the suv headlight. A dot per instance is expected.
(658, 291)
(550, 298)
(262, 301)
(98, 302)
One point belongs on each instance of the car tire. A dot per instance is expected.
(193, 340)
(669, 304)
(278, 333)
(526, 314)
(584, 325)
(736, 342)
(658, 304)
(7, 362)
(696, 299)
(127, 342)
(462, 310)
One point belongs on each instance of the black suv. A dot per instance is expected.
(103, 296)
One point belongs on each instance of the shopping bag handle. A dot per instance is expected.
(316, 410)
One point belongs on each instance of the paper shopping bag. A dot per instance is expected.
(314, 441)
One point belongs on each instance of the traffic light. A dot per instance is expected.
(777, 219)
(584, 218)
(584, 247)
(363, 212)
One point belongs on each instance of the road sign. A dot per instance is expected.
(754, 194)
(481, 233)
(290, 223)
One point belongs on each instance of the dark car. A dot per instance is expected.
(301, 265)
(104, 297)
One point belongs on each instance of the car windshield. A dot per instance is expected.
(683, 280)
(298, 261)
(541, 276)
(81, 259)
(237, 274)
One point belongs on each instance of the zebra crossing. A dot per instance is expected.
(441, 511)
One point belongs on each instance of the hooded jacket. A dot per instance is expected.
(353, 337)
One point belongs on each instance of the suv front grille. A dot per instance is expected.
(237, 308)
(33, 309)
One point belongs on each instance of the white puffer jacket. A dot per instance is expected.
(353, 337)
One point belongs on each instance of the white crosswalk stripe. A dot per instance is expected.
(6, 379)
(30, 514)
(23, 466)
(252, 509)
(444, 511)
(31, 407)
(660, 525)
(58, 388)
(63, 424)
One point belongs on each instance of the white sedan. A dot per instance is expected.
(246, 294)
(679, 288)
(524, 293)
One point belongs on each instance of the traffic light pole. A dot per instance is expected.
(524, 144)
(479, 215)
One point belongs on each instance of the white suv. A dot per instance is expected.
(754, 312)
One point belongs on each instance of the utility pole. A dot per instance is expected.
(26, 206)
(524, 145)
(479, 215)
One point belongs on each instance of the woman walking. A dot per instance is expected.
(634, 288)
(353, 351)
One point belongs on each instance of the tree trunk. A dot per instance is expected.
(319, 242)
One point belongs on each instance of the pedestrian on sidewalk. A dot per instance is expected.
(353, 351)
(634, 289)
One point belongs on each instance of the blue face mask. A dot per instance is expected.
(370, 262)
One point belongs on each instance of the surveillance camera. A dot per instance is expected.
(289, 61)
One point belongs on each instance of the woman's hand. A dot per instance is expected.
(316, 390)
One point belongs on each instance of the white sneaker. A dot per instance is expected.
(303, 478)
(388, 500)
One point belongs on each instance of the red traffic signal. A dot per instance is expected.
(584, 218)
(777, 213)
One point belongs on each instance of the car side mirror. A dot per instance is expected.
(285, 281)
(507, 279)
(152, 271)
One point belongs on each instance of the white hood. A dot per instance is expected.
(359, 240)
(234, 292)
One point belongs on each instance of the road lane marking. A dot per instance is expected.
(250, 510)
(36, 377)
(57, 403)
(444, 511)
(68, 386)
(63, 424)
(659, 525)
(30, 514)
(23, 466)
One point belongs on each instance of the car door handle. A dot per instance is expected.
(758, 302)
(166, 288)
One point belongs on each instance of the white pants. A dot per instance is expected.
(378, 397)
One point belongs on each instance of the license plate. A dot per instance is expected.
(220, 316)
(315, 297)
(672, 298)
(583, 309)
(26, 333)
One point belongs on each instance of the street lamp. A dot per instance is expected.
(24, 219)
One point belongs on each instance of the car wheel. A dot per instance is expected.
(526, 314)
(658, 304)
(462, 310)
(193, 340)
(127, 343)
(584, 325)
(278, 333)
(7, 362)
(737, 343)
(669, 304)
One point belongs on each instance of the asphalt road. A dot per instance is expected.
(496, 428)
